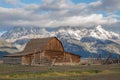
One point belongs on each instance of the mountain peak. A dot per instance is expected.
(103, 34)
(99, 28)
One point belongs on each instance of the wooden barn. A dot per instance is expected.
(43, 51)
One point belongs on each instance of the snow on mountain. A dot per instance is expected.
(76, 40)
(78, 34)
(100, 33)
(24, 32)
(37, 32)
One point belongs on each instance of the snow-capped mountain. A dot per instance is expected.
(77, 40)
(37, 32)
(100, 33)
(24, 32)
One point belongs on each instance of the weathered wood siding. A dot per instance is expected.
(54, 55)
(54, 51)
(12, 60)
(71, 58)
(26, 60)
(37, 57)
(54, 45)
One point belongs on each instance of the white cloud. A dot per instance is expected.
(52, 13)
(31, 7)
(110, 6)
(94, 19)
(55, 5)
(13, 2)
(96, 4)
(21, 17)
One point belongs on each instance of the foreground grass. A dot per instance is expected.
(10, 72)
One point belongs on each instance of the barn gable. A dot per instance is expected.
(54, 45)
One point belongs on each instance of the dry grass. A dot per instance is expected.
(94, 72)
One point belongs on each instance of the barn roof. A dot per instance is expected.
(35, 45)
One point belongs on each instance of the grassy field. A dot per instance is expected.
(82, 72)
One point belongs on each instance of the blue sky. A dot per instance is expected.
(55, 13)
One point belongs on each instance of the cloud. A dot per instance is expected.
(21, 17)
(54, 13)
(13, 2)
(109, 6)
(94, 19)
(17, 17)
(96, 4)
(55, 5)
